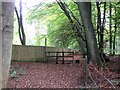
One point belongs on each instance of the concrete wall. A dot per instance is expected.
(31, 53)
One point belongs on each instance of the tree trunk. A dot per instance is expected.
(21, 25)
(98, 21)
(102, 31)
(7, 37)
(0, 45)
(110, 27)
(82, 45)
(76, 27)
(93, 52)
(114, 37)
(101, 42)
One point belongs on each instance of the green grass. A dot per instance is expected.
(42, 60)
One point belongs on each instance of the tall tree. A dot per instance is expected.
(21, 25)
(116, 21)
(98, 21)
(92, 48)
(110, 27)
(76, 25)
(7, 37)
(0, 45)
(115, 32)
(62, 25)
(102, 29)
(22, 35)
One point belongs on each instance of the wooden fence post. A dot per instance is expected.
(86, 71)
(46, 50)
(63, 57)
(57, 58)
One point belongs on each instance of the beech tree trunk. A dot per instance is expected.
(7, 37)
(0, 45)
(79, 35)
(91, 41)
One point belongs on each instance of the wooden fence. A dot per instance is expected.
(32, 53)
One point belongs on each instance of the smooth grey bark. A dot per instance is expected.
(0, 45)
(7, 37)
(82, 45)
(91, 42)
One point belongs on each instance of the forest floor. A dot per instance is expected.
(68, 75)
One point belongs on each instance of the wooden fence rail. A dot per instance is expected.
(60, 56)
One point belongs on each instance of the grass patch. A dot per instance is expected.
(42, 60)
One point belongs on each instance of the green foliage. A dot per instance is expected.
(16, 71)
(21, 71)
(115, 19)
(41, 60)
(13, 73)
(59, 32)
(40, 39)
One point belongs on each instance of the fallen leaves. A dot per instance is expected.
(51, 75)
